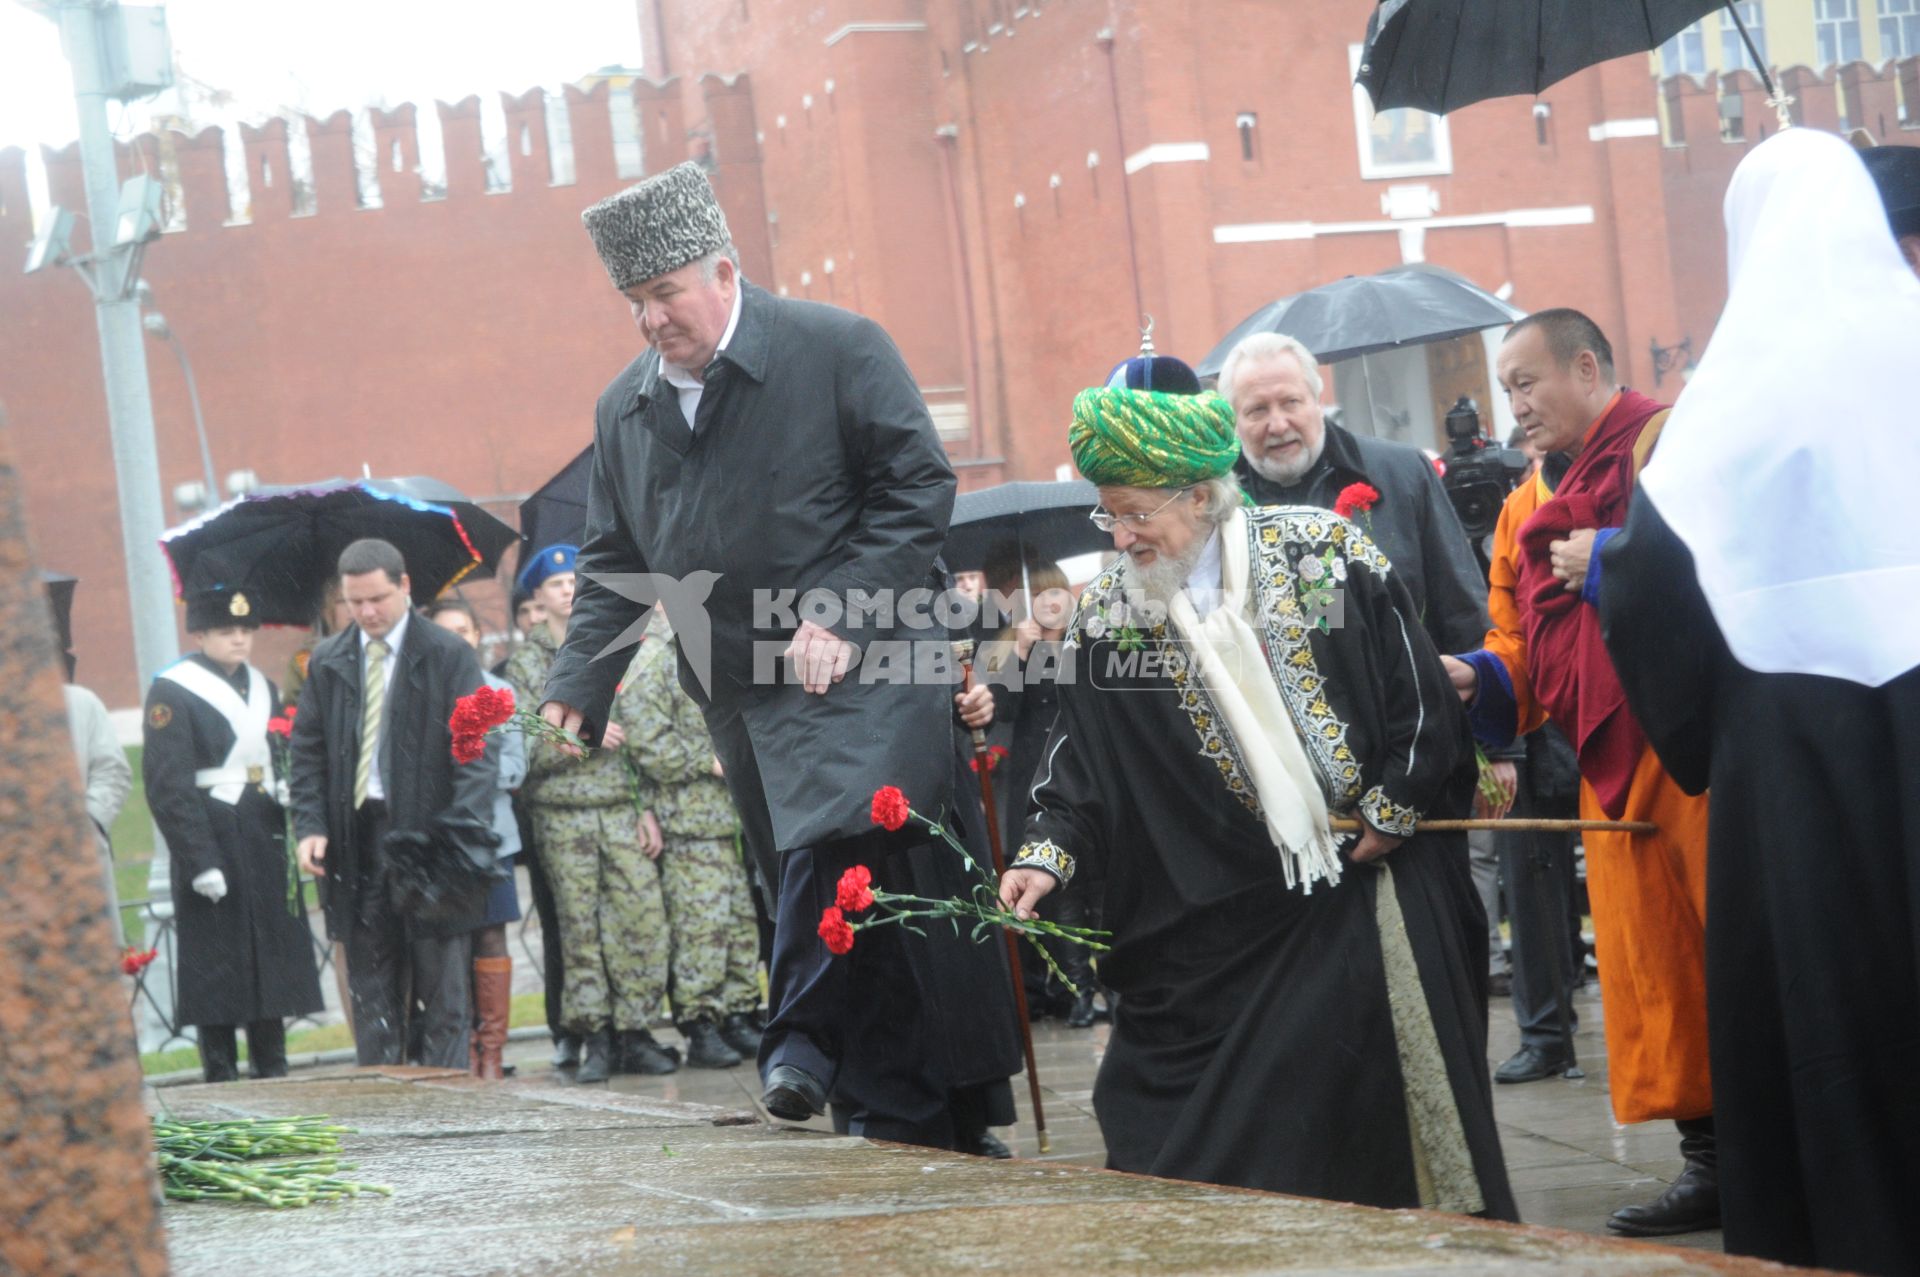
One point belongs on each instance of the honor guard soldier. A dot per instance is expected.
(245, 952)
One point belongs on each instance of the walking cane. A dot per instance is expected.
(1510, 824)
(963, 652)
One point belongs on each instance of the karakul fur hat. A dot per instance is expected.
(657, 226)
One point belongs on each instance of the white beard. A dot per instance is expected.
(1159, 581)
(1286, 475)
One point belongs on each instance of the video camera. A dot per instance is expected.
(1480, 473)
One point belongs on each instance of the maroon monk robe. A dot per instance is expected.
(1573, 678)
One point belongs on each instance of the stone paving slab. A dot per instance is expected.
(531, 1178)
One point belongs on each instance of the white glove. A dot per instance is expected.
(212, 884)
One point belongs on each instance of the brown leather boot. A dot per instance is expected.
(492, 1002)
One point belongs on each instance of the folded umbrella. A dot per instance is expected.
(282, 544)
(1401, 306)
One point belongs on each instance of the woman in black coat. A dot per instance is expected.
(245, 952)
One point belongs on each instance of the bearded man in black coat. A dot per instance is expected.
(767, 470)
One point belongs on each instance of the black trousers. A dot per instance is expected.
(266, 1050)
(403, 989)
(1538, 869)
(859, 1022)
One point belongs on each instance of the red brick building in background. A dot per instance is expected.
(1005, 186)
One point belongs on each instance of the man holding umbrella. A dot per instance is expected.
(766, 449)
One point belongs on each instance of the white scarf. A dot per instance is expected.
(1784, 467)
(1233, 666)
(247, 718)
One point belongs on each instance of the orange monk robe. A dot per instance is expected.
(1648, 891)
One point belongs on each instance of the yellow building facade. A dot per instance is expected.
(1818, 34)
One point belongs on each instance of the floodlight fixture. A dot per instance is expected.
(51, 246)
(137, 220)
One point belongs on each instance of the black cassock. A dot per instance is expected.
(1255, 1043)
(1813, 915)
(247, 957)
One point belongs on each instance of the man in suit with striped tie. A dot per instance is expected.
(373, 769)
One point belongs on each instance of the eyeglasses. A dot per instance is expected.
(1107, 522)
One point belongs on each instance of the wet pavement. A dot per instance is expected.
(681, 1175)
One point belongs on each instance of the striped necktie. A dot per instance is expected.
(372, 706)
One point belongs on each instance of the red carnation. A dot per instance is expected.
(1355, 498)
(281, 726)
(890, 810)
(855, 890)
(469, 746)
(836, 930)
(996, 754)
(480, 711)
(134, 961)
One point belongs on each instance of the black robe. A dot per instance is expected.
(1813, 933)
(249, 956)
(1254, 1043)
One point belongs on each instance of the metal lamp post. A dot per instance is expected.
(156, 325)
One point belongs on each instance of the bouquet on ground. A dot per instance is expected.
(981, 907)
(486, 710)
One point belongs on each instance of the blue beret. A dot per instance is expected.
(551, 561)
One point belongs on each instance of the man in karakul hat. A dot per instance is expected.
(1299, 1011)
(767, 450)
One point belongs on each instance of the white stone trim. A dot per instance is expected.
(1646, 126)
(872, 28)
(1167, 153)
(1269, 232)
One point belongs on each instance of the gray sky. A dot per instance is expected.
(271, 55)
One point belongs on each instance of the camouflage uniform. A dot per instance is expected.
(716, 939)
(613, 929)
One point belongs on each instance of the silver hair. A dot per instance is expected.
(1223, 497)
(710, 264)
(1259, 348)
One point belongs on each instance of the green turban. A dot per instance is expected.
(1145, 439)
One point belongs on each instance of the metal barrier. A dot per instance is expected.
(157, 925)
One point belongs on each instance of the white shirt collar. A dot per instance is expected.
(679, 377)
(1203, 583)
(395, 637)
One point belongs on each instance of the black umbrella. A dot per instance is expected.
(1401, 306)
(1441, 55)
(281, 544)
(556, 514)
(1024, 520)
(60, 599)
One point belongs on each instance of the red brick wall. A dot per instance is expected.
(465, 338)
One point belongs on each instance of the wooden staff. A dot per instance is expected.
(1522, 825)
(963, 652)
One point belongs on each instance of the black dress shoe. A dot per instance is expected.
(793, 1094)
(637, 1052)
(1691, 1204)
(1500, 984)
(596, 1057)
(706, 1049)
(1081, 1017)
(985, 1144)
(566, 1051)
(1530, 1064)
(741, 1033)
